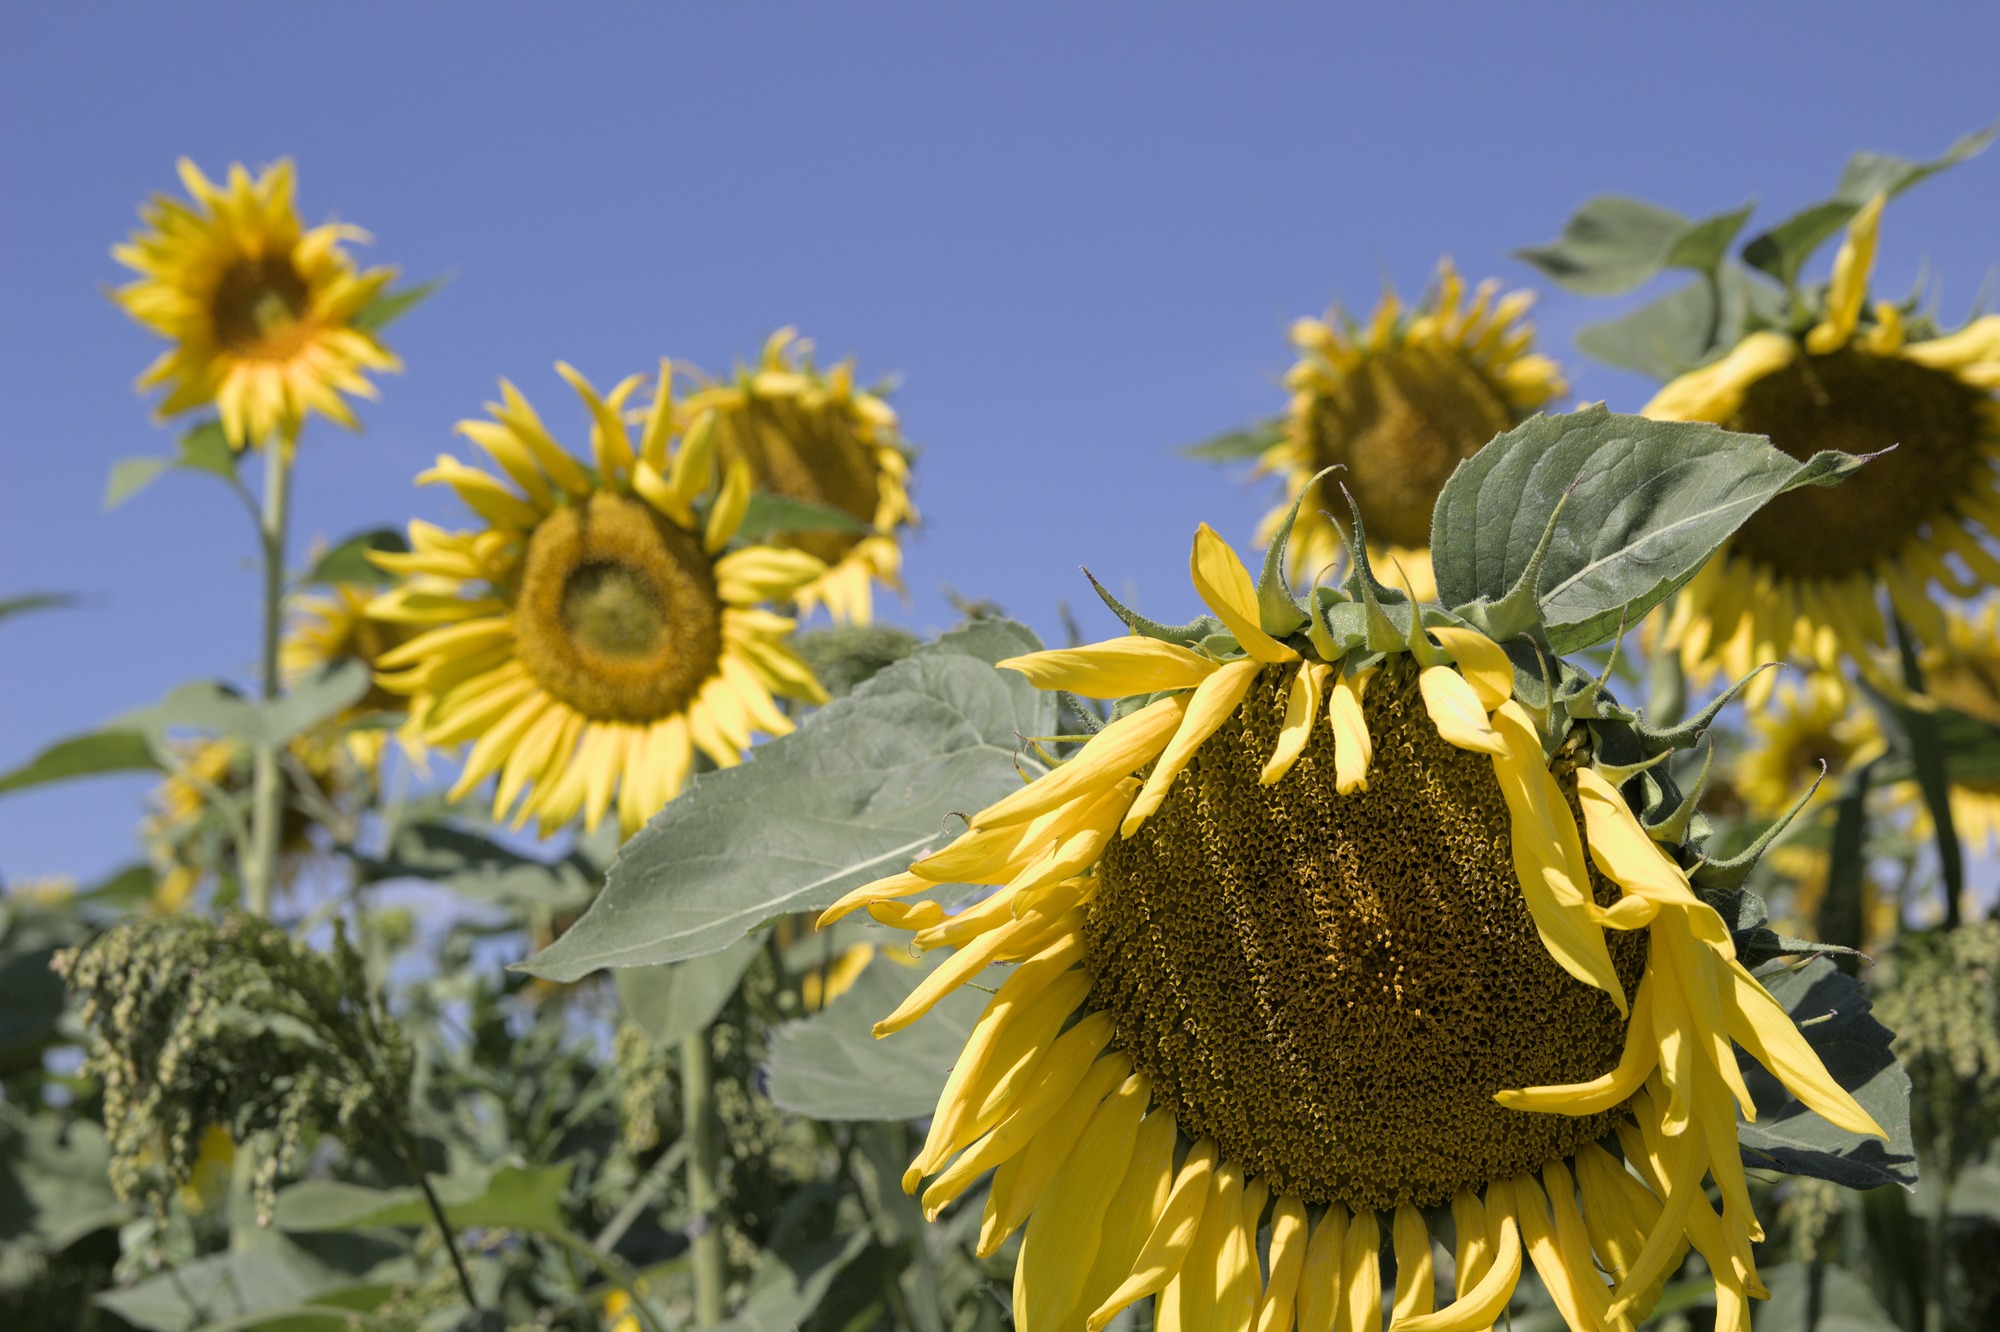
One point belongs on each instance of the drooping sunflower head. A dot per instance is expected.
(599, 629)
(1349, 914)
(263, 313)
(1399, 403)
(1805, 578)
(336, 627)
(1813, 733)
(196, 828)
(811, 436)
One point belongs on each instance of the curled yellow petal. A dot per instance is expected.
(1848, 291)
(1301, 712)
(1115, 752)
(1114, 669)
(1482, 663)
(1211, 705)
(1635, 1064)
(1353, 750)
(1223, 582)
(1457, 712)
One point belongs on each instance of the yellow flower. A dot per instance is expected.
(335, 628)
(1811, 728)
(1804, 577)
(200, 811)
(813, 436)
(1399, 404)
(261, 311)
(1341, 939)
(594, 633)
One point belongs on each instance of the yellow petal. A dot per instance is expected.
(1635, 1065)
(1135, 1209)
(1457, 712)
(1478, 1307)
(1361, 1275)
(1320, 1293)
(1287, 1259)
(1068, 1222)
(1114, 753)
(1411, 1241)
(1482, 663)
(1022, 1183)
(1301, 713)
(1715, 392)
(1166, 1248)
(1223, 582)
(1214, 703)
(1767, 1031)
(1114, 669)
(1353, 750)
(1848, 290)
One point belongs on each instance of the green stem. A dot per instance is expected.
(704, 1166)
(267, 799)
(450, 1239)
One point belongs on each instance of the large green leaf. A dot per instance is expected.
(207, 705)
(674, 999)
(84, 756)
(1684, 328)
(1832, 1010)
(831, 1066)
(1649, 501)
(1610, 244)
(866, 785)
(269, 1275)
(508, 1197)
(54, 1184)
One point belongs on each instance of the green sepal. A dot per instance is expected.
(1732, 873)
(1519, 612)
(1185, 635)
(1674, 825)
(1659, 740)
(1319, 627)
(1361, 584)
(1277, 613)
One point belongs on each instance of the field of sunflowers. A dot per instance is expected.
(1551, 884)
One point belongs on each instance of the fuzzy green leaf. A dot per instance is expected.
(1649, 501)
(1239, 445)
(770, 514)
(865, 786)
(1868, 174)
(1855, 1049)
(675, 999)
(831, 1066)
(129, 476)
(1610, 244)
(348, 562)
(393, 304)
(84, 756)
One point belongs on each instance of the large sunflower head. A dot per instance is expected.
(1346, 921)
(1399, 403)
(336, 627)
(197, 826)
(263, 313)
(598, 629)
(813, 436)
(1804, 578)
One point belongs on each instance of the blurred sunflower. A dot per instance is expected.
(1399, 404)
(1812, 727)
(594, 633)
(813, 436)
(194, 827)
(263, 313)
(1963, 673)
(1804, 576)
(1304, 934)
(330, 629)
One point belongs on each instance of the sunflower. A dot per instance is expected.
(1803, 577)
(595, 633)
(1964, 674)
(1399, 405)
(813, 436)
(263, 314)
(335, 628)
(1813, 728)
(197, 810)
(1318, 940)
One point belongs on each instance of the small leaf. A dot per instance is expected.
(129, 476)
(1868, 173)
(509, 1197)
(1783, 250)
(84, 756)
(35, 601)
(676, 999)
(1855, 1049)
(865, 786)
(1649, 501)
(206, 448)
(1610, 244)
(770, 514)
(348, 562)
(208, 705)
(831, 1066)
(1702, 245)
(393, 304)
(1237, 445)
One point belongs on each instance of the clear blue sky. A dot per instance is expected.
(1077, 232)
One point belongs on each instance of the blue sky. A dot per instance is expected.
(1077, 233)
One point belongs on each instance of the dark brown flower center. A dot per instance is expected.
(1399, 425)
(618, 614)
(1333, 987)
(258, 305)
(1858, 402)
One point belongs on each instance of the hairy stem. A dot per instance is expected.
(704, 1166)
(267, 807)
